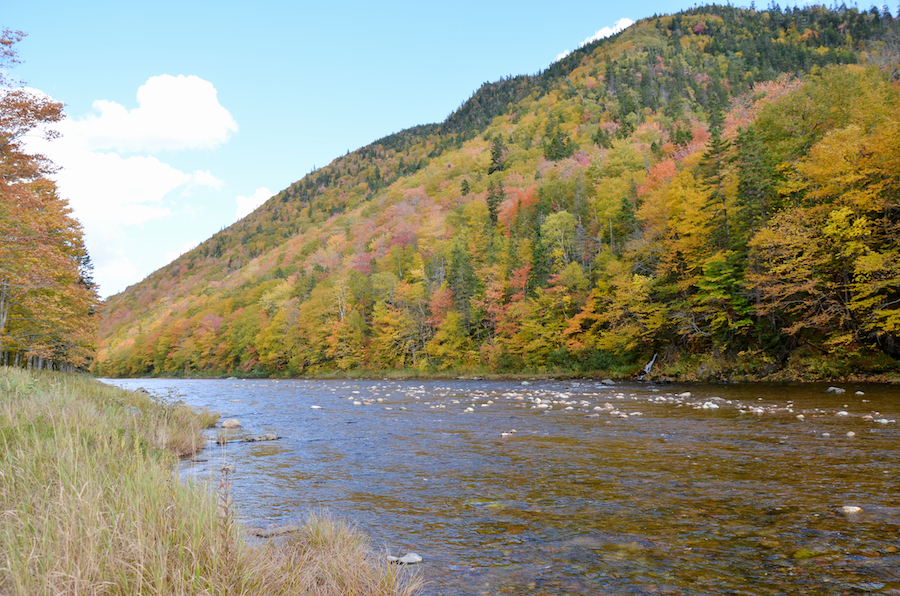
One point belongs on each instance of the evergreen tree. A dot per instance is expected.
(495, 197)
(498, 148)
(757, 177)
(713, 171)
(462, 280)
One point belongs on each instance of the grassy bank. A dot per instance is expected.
(91, 504)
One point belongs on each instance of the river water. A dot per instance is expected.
(595, 489)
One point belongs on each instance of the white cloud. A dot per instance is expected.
(246, 205)
(205, 178)
(173, 113)
(174, 254)
(110, 193)
(119, 270)
(618, 26)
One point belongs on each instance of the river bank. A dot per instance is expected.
(91, 503)
(801, 366)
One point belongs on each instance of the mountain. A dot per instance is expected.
(716, 186)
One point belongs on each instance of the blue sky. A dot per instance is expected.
(184, 115)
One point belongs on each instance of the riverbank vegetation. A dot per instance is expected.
(91, 504)
(718, 187)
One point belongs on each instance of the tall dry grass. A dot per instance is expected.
(90, 504)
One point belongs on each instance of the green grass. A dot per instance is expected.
(90, 503)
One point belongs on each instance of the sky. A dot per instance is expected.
(184, 116)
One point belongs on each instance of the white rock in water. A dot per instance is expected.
(357, 403)
(315, 407)
(525, 383)
(407, 559)
(231, 423)
(851, 434)
(685, 394)
(800, 416)
(835, 390)
(883, 421)
(860, 393)
(710, 406)
(841, 413)
(850, 509)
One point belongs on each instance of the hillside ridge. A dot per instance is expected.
(616, 204)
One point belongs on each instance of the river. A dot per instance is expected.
(577, 487)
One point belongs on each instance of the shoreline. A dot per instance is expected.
(888, 378)
(93, 502)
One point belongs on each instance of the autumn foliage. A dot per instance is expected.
(47, 300)
(717, 183)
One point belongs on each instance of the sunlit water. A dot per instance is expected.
(625, 489)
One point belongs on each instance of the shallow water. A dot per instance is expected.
(625, 489)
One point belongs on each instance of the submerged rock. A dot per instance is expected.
(258, 438)
(270, 532)
(835, 390)
(231, 423)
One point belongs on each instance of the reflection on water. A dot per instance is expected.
(594, 489)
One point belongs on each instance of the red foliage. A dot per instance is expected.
(440, 304)
(362, 262)
(660, 173)
(516, 200)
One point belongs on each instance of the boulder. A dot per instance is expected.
(835, 390)
(231, 423)
(407, 559)
(142, 391)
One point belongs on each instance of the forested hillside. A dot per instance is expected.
(717, 186)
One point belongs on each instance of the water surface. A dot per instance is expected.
(625, 489)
